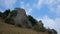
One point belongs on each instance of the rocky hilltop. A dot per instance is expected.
(21, 18)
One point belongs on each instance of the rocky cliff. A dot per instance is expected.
(21, 18)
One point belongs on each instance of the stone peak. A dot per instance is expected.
(20, 10)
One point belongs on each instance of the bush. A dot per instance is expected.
(19, 25)
(0, 14)
(13, 13)
(39, 29)
(32, 20)
(36, 28)
(5, 14)
(43, 29)
(9, 21)
(50, 32)
(54, 31)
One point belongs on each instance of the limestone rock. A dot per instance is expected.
(21, 18)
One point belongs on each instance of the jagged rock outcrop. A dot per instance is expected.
(21, 18)
(40, 24)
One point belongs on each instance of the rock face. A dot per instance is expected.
(40, 23)
(21, 18)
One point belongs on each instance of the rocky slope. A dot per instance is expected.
(11, 29)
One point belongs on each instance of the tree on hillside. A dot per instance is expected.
(10, 20)
(41, 26)
(33, 21)
(40, 23)
(6, 13)
(54, 31)
(0, 14)
(13, 13)
(51, 31)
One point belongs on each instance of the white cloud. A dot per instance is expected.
(50, 1)
(22, 4)
(7, 3)
(26, 6)
(10, 3)
(54, 6)
(28, 11)
(58, 10)
(51, 23)
(38, 4)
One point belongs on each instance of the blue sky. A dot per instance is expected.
(46, 10)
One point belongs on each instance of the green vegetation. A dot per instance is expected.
(51, 31)
(18, 25)
(39, 29)
(33, 21)
(13, 13)
(5, 14)
(9, 21)
(0, 14)
(55, 32)
(36, 28)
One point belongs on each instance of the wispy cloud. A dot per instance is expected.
(26, 6)
(7, 3)
(51, 23)
(53, 5)
(38, 4)
(29, 10)
(10, 3)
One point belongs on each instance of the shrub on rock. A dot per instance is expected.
(9, 21)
